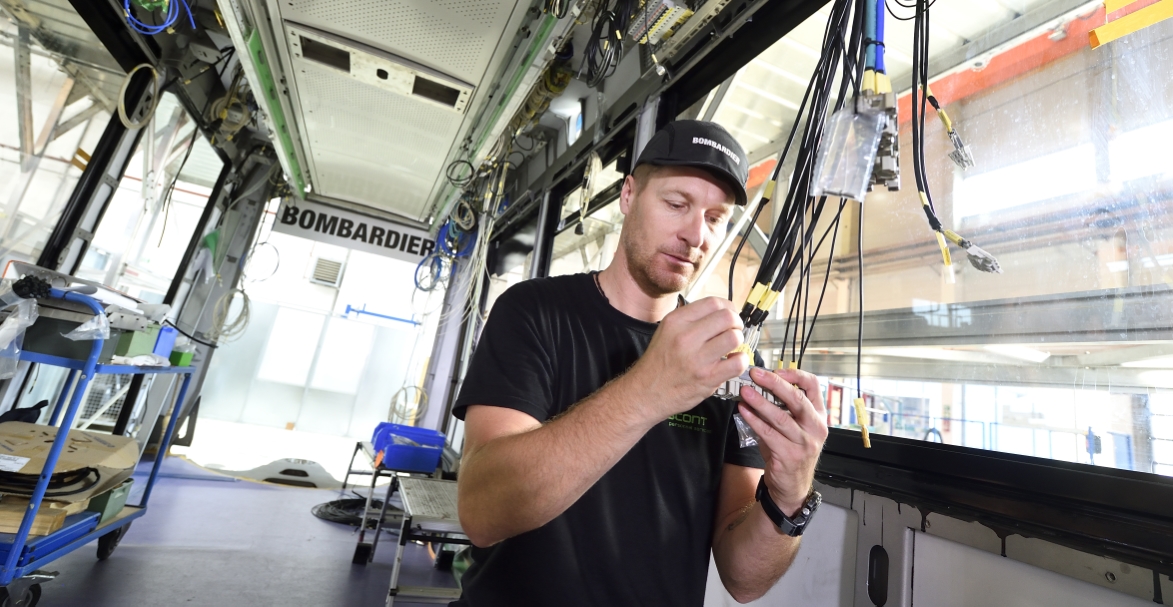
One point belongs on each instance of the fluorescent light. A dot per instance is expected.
(1019, 352)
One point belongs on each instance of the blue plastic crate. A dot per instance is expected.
(423, 456)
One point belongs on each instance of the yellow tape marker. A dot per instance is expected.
(863, 427)
(944, 249)
(756, 294)
(742, 349)
(945, 120)
(1128, 24)
(769, 193)
(768, 300)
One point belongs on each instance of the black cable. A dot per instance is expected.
(189, 335)
(349, 511)
(859, 336)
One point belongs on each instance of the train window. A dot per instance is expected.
(140, 242)
(1065, 353)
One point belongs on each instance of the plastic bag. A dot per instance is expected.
(847, 154)
(746, 437)
(12, 335)
(7, 295)
(97, 327)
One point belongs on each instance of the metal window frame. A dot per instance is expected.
(1119, 514)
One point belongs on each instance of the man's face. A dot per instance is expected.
(674, 218)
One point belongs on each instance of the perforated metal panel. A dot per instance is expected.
(456, 37)
(371, 146)
(364, 142)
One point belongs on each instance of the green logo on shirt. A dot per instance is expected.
(688, 421)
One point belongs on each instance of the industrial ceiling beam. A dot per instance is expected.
(24, 96)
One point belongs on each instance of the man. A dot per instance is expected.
(598, 468)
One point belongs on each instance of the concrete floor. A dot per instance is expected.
(209, 540)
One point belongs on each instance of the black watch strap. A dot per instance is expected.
(792, 526)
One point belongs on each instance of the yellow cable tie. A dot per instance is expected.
(756, 294)
(863, 427)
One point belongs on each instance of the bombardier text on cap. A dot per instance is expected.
(713, 144)
(691, 143)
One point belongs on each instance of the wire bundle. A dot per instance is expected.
(922, 96)
(604, 48)
(169, 19)
(349, 511)
(792, 247)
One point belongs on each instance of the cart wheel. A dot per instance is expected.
(362, 554)
(31, 597)
(107, 543)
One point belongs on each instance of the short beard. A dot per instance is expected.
(639, 266)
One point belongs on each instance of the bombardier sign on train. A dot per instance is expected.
(352, 230)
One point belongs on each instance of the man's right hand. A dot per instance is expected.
(686, 361)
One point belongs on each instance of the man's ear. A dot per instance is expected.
(627, 194)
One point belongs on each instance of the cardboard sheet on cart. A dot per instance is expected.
(24, 447)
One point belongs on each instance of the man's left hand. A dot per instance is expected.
(790, 440)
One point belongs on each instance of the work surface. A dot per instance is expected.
(209, 540)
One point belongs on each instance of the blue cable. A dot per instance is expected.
(880, 36)
(171, 17)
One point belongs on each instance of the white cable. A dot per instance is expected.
(222, 330)
(158, 92)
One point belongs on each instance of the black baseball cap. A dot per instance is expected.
(705, 145)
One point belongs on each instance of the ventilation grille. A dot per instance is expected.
(327, 272)
(376, 68)
(457, 37)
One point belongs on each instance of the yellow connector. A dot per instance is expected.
(793, 366)
(869, 81)
(860, 416)
(883, 83)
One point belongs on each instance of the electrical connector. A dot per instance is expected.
(978, 257)
(656, 21)
(731, 390)
(961, 154)
(886, 169)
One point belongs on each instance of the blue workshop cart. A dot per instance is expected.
(23, 557)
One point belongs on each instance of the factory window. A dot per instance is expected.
(151, 217)
(1066, 353)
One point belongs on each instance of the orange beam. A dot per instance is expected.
(1014, 62)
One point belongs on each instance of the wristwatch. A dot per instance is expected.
(795, 525)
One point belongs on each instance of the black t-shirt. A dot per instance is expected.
(643, 533)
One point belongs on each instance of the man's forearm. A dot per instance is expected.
(516, 483)
(752, 553)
